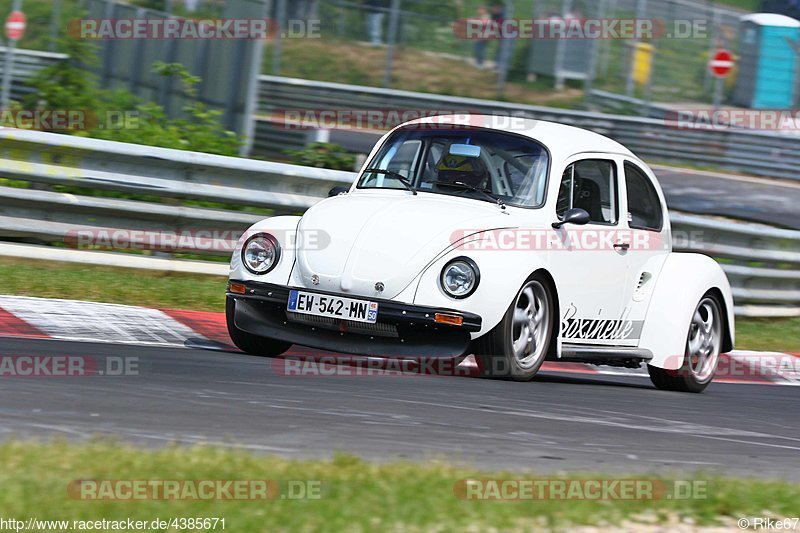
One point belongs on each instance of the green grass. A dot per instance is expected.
(768, 334)
(354, 496)
(342, 61)
(206, 293)
(112, 285)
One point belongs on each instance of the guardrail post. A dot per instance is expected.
(277, 49)
(55, 23)
(391, 40)
(9, 66)
(566, 11)
(251, 102)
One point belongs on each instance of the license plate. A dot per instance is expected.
(333, 306)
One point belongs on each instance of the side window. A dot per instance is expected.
(644, 207)
(590, 184)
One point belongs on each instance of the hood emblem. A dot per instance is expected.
(315, 279)
(379, 287)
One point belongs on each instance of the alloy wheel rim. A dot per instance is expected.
(703, 345)
(530, 324)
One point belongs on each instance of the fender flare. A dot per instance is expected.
(501, 278)
(684, 279)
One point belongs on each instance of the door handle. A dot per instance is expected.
(622, 246)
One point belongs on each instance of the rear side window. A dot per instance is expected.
(644, 207)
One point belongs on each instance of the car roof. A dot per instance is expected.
(561, 140)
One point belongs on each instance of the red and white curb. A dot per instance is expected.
(22, 316)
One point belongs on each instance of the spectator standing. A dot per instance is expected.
(497, 11)
(481, 23)
(375, 15)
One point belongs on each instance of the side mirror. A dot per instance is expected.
(576, 215)
(336, 191)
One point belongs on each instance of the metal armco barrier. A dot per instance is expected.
(762, 263)
(761, 153)
(27, 64)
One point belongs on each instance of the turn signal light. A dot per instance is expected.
(454, 320)
(237, 288)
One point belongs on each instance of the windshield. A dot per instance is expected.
(481, 164)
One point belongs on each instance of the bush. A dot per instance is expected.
(67, 86)
(323, 155)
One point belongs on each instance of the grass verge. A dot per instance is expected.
(414, 70)
(353, 495)
(768, 334)
(112, 285)
(206, 293)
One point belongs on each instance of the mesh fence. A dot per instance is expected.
(421, 24)
(670, 67)
(690, 32)
(667, 65)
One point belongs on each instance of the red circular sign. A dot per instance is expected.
(721, 64)
(15, 25)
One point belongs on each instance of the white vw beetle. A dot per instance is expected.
(516, 244)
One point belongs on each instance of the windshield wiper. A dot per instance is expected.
(396, 175)
(472, 188)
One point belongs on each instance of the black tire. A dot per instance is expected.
(496, 355)
(695, 374)
(249, 343)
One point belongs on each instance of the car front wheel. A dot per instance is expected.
(249, 343)
(700, 359)
(519, 344)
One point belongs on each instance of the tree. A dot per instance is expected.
(70, 87)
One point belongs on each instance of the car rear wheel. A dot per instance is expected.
(519, 344)
(249, 343)
(703, 345)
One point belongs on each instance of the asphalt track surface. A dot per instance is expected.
(555, 423)
(767, 201)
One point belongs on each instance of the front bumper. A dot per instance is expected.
(401, 330)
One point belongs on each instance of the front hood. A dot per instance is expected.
(385, 236)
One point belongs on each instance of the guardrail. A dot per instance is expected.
(69, 180)
(762, 263)
(762, 153)
(27, 64)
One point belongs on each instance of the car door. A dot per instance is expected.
(649, 240)
(588, 269)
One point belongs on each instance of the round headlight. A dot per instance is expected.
(260, 253)
(460, 277)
